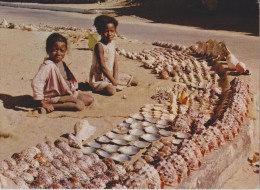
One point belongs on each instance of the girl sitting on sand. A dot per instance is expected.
(54, 86)
(104, 76)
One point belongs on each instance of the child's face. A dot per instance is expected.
(57, 52)
(108, 33)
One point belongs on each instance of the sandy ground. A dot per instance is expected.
(18, 65)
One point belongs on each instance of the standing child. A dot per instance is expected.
(54, 86)
(104, 76)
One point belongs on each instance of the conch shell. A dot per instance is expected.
(232, 61)
(241, 67)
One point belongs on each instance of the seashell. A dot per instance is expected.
(4, 23)
(165, 133)
(103, 139)
(182, 135)
(119, 141)
(151, 120)
(130, 120)
(94, 144)
(103, 153)
(176, 141)
(151, 137)
(27, 177)
(240, 67)
(151, 129)
(128, 150)
(164, 75)
(136, 132)
(146, 124)
(88, 150)
(74, 142)
(136, 126)
(120, 157)
(130, 138)
(162, 126)
(163, 122)
(122, 130)
(83, 130)
(141, 144)
(123, 125)
(112, 135)
(232, 61)
(137, 116)
(109, 148)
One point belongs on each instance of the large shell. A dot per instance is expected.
(151, 137)
(128, 150)
(110, 148)
(136, 132)
(120, 157)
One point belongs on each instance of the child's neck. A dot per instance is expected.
(105, 41)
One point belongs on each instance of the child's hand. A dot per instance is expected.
(47, 106)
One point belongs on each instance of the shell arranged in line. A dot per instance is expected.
(136, 126)
(103, 139)
(151, 129)
(122, 130)
(123, 125)
(165, 133)
(110, 148)
(176, 141)
(130, 138)
(88, 150)
(120, 157)
(103, 153)
(130, 120)
(112, 135)
(150, 120)
(182, 135)
(119, 141)
(151, 137)
(136, 132)
(94, 144)
(146, 124)
(128, 150)
(163, 122)
(141, 144)
(137, 116)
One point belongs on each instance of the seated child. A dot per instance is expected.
(54, 86)
(104, 76)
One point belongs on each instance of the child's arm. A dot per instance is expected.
(100, 57)
(115, 68)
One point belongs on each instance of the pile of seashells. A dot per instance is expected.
(162, 143)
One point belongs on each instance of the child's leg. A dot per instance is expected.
(109, 90)
(69, 103)
(84, 97)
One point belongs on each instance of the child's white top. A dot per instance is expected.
(96, 73)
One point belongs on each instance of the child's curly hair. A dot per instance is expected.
(101, 21)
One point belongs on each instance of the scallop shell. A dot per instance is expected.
(88, 150)
(150, 137)
(176, 141)
(162, 126)
(130, 138)
(163, 122)
(130, 120)
(136, 126)
(141, 144)
(137, 116)
(182, 135)
(136, 132)
(103, 153)
(119, 141)
(151, 120)
(120, 157)
(128, 150)
(123, 125)
(94, 144)
(151, 129)
(112, 135)
(165, 133)
(146, 124)
(110, 148)
(120, 130)
(103, 139)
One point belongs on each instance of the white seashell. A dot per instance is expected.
(109, 148)
(136, 132)
(136, 126)
(130, 138)
(123, 125)
(4, 23)
(120, 130)
(141, 144)
(120, 157)
(151, 129)
(112, 135)
(128, 150)
(151, 120)
(137, 116)
(146, 124)
(165, 133)
(232, 61)
(182, 135)
(103, 153)
(119, 141)
(130, 120)
(94, 144)
(151, 137)
(88, 150)
(162, 126)
(83, 130)
(163, 122)
(176, 141)
(103, 139)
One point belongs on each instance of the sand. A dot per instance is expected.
(21, 54)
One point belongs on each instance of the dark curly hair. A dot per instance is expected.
(101, 21)
(55, 37)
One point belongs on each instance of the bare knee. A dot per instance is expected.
(89, 100)
(79, 105)
(110, 90)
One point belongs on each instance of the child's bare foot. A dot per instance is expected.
(42, 110)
